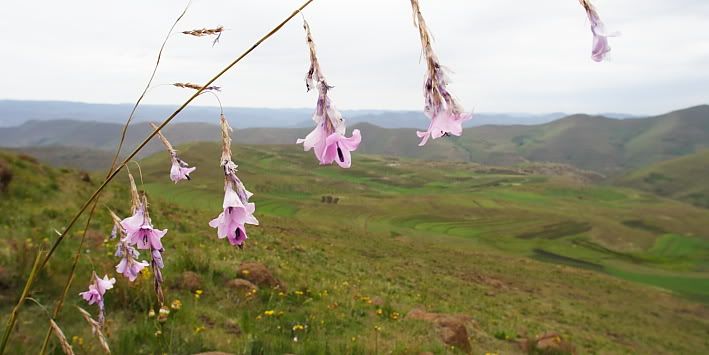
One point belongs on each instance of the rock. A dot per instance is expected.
(552, 343)
(259, 275)
(547, 343)
(451, 327)
(85, 177)
(190, 280)
(241, 285)
(232, 327)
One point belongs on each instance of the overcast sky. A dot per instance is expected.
(506, 55)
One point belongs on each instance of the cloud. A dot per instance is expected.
(506, 55)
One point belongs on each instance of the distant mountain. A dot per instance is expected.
(13, 113)
(685, 178)
(597, 143)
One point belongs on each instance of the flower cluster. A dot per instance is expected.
(600, 46)
(238, 211)
(140, 234)
(328, 139)
(441, 107)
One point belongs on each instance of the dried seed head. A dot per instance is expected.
(134, 195)
(196, 87)
(314, 76)
(226, 140)
(95, 329)
(164, 140)
(62, 339)
(201, 32)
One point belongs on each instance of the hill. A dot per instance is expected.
(609, 146)
(519, 253)
(682, 178)
(15, 112)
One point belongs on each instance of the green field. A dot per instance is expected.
(612, 270)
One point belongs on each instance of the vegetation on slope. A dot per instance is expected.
(452, 238)
(682, 178)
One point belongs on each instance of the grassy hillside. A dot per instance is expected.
(609, 146)
(521, 254)
(682, 178)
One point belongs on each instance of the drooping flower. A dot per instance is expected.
(600, 47)
(327, 139)
(180, 170)
(97, 289)
(238, 211)
(129, 265)
(446, 115)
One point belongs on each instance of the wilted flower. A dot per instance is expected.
(180, 170)
(328, 139)
(446, 114)
(600, 36)
(238, 211)
(97, 289)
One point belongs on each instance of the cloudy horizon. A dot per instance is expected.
(506, 56)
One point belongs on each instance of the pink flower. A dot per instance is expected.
(338, 148)
(129, 266)
(180, 170)
(146, 237)
(446, 115)
(237, 212)
(328, 139)
(442, 124)
(600, 47)
(97, 289)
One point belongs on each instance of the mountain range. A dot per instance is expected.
(602, 144)
(16, 112)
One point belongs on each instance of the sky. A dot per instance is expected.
(504, 55)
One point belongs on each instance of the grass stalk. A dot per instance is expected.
(116, 170)
(16, 310)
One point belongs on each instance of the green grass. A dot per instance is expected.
(446, 237)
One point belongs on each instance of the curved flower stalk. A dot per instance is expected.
(180, 169)
(600, 47)
(447, 116)
(141, 234)
(328, 139)
(238, 211)
(97, 289)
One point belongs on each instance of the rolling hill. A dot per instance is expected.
(685, 178)
(609, 146)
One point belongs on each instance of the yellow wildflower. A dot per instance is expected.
(298, 293)
(199, 329)
(151, 313)
(268, 313)
(176, 305)
(298, 327)
(380, 311)
(77, 340)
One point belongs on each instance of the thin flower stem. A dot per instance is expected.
(25, 291)
(28, 285)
